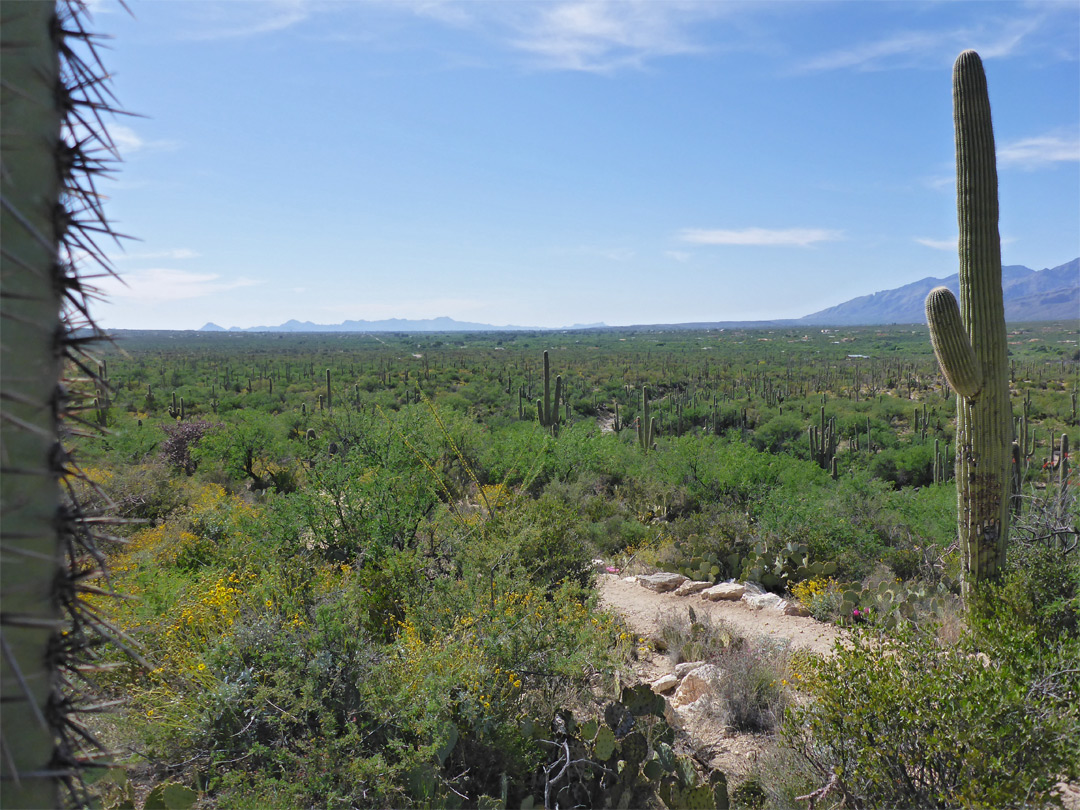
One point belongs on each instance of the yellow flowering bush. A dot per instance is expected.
(820, 595)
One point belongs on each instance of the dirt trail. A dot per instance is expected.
(642, 610)
(704, 734)
(721, 748)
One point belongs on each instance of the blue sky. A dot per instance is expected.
(553, 163)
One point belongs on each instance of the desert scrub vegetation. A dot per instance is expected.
(393, 603)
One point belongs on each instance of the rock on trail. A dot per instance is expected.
(642, 609)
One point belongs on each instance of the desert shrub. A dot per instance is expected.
(358, 507)
(549, 543)
(780, 434)
(821, 596)
(1042, 585)
(713, 470)
(754, 690)
(910, 466)
(617, 534)
(815, 518)
(779, 779)
(139, 492)
(1042, 582)
(992, 720)
(687, 636)
(180, 439)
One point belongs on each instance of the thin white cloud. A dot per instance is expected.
(601, 36)
(615, 254)
(597, 36)
(940, 182)
(1040, 151)
(241, 20)
(173, 253)
(799, 237)
(938, 244)
(128, 142)
(160, 285)
(679, 255)
(992, 38)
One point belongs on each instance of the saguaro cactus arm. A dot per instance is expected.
(951, 344)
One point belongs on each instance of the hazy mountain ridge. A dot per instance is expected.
(1030, 295)
(441, 324)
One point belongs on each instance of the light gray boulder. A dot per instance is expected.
(661, 583)
(729, 591)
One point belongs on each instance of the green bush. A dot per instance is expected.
(550, 545)
(910, 466)
(991, 721)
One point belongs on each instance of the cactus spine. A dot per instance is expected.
(969, 340)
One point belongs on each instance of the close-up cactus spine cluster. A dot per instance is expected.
(970, 341)
(54, 95)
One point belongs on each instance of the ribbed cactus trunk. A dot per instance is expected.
(30, 313)
(970, 340)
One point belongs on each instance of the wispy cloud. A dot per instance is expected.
(161, 285)
(604, 36)
(939, 182)
(798, 237)
(1040, 151)
(679, 255)
(992, 38)
(128, 142)
(614, 254)
(938, 244)
(241, 20)
(173, 253)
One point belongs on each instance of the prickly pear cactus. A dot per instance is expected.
(969, 340)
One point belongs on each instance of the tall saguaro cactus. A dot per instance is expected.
(969, 340)
(50, 101)
(548, 410)
(31, 318)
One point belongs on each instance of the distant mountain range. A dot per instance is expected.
(443, 324)
(1030, 295)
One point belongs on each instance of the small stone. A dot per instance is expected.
(661, 583)
(695, 713)
(665, 683)
(681, 670)
(762, 601)
(730, 591)
(696, 684)
(690, 586)
(795, 609)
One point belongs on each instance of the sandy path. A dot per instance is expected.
(642, 609)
